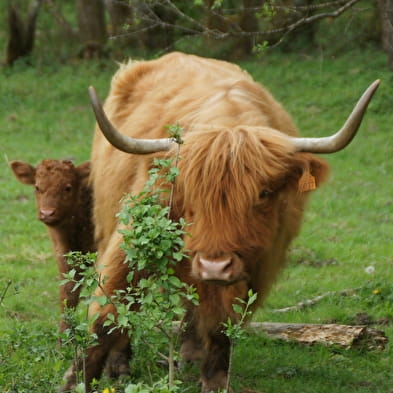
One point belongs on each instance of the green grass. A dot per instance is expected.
(44, 112)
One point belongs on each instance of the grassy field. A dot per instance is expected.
(348, 226)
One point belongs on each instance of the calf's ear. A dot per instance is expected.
(83, 170)
(23, 171)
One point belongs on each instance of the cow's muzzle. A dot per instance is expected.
(225, 269)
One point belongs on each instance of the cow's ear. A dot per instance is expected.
(310, 171)
(23, 171)
(83, 170)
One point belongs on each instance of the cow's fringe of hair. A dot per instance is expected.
(246, 160)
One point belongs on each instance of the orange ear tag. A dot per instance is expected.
(306, 181)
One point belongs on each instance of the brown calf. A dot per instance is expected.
(64, 205)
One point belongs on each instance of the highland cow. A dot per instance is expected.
(245, 176)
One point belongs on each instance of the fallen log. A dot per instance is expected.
(346, 336)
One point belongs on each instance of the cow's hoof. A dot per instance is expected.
(117, 365)
(216, 384)
(70, 379)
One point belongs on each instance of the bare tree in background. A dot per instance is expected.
(386, 17)
(21, 33)
(247, 24)
(92, 28)
(241, 25)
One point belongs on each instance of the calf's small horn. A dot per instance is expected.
(343, 137)
(121, 141)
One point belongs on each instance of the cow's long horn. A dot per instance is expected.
(121, 141)
(343, 137)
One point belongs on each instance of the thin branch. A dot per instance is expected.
(2, 297)
(294, 8)
(104, 292)
(180, 13)
(311, 19)
(162, 23)
(56, 13)
(160, 354)
(171, 361)
(310, 302)
(173, 183)
(229, 375)
(303, 21)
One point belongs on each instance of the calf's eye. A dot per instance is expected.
(37, 188)
(68, 188)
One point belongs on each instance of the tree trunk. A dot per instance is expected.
(215, 23)
(120, 13)
(248, 23)
(121, 27)
(385, 8)
(20, 34)
(92, 28)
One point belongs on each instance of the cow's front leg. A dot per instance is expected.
(191, 344)
(90, 366)
(118, 361)
(216, 363)
(85, 371)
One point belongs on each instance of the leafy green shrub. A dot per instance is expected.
(154, 298)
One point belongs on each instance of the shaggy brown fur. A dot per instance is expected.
(238, 185)
(64, 205)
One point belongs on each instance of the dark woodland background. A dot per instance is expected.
(59, 31)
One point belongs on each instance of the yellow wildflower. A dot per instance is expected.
(109, 390)
(376, 291)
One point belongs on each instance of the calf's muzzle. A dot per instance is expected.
(47, 215)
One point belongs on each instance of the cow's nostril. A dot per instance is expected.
(228, 267)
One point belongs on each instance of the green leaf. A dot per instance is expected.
(101, 300)
(252, 297)
(237, 308)
(122, 320)
(178, 256)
